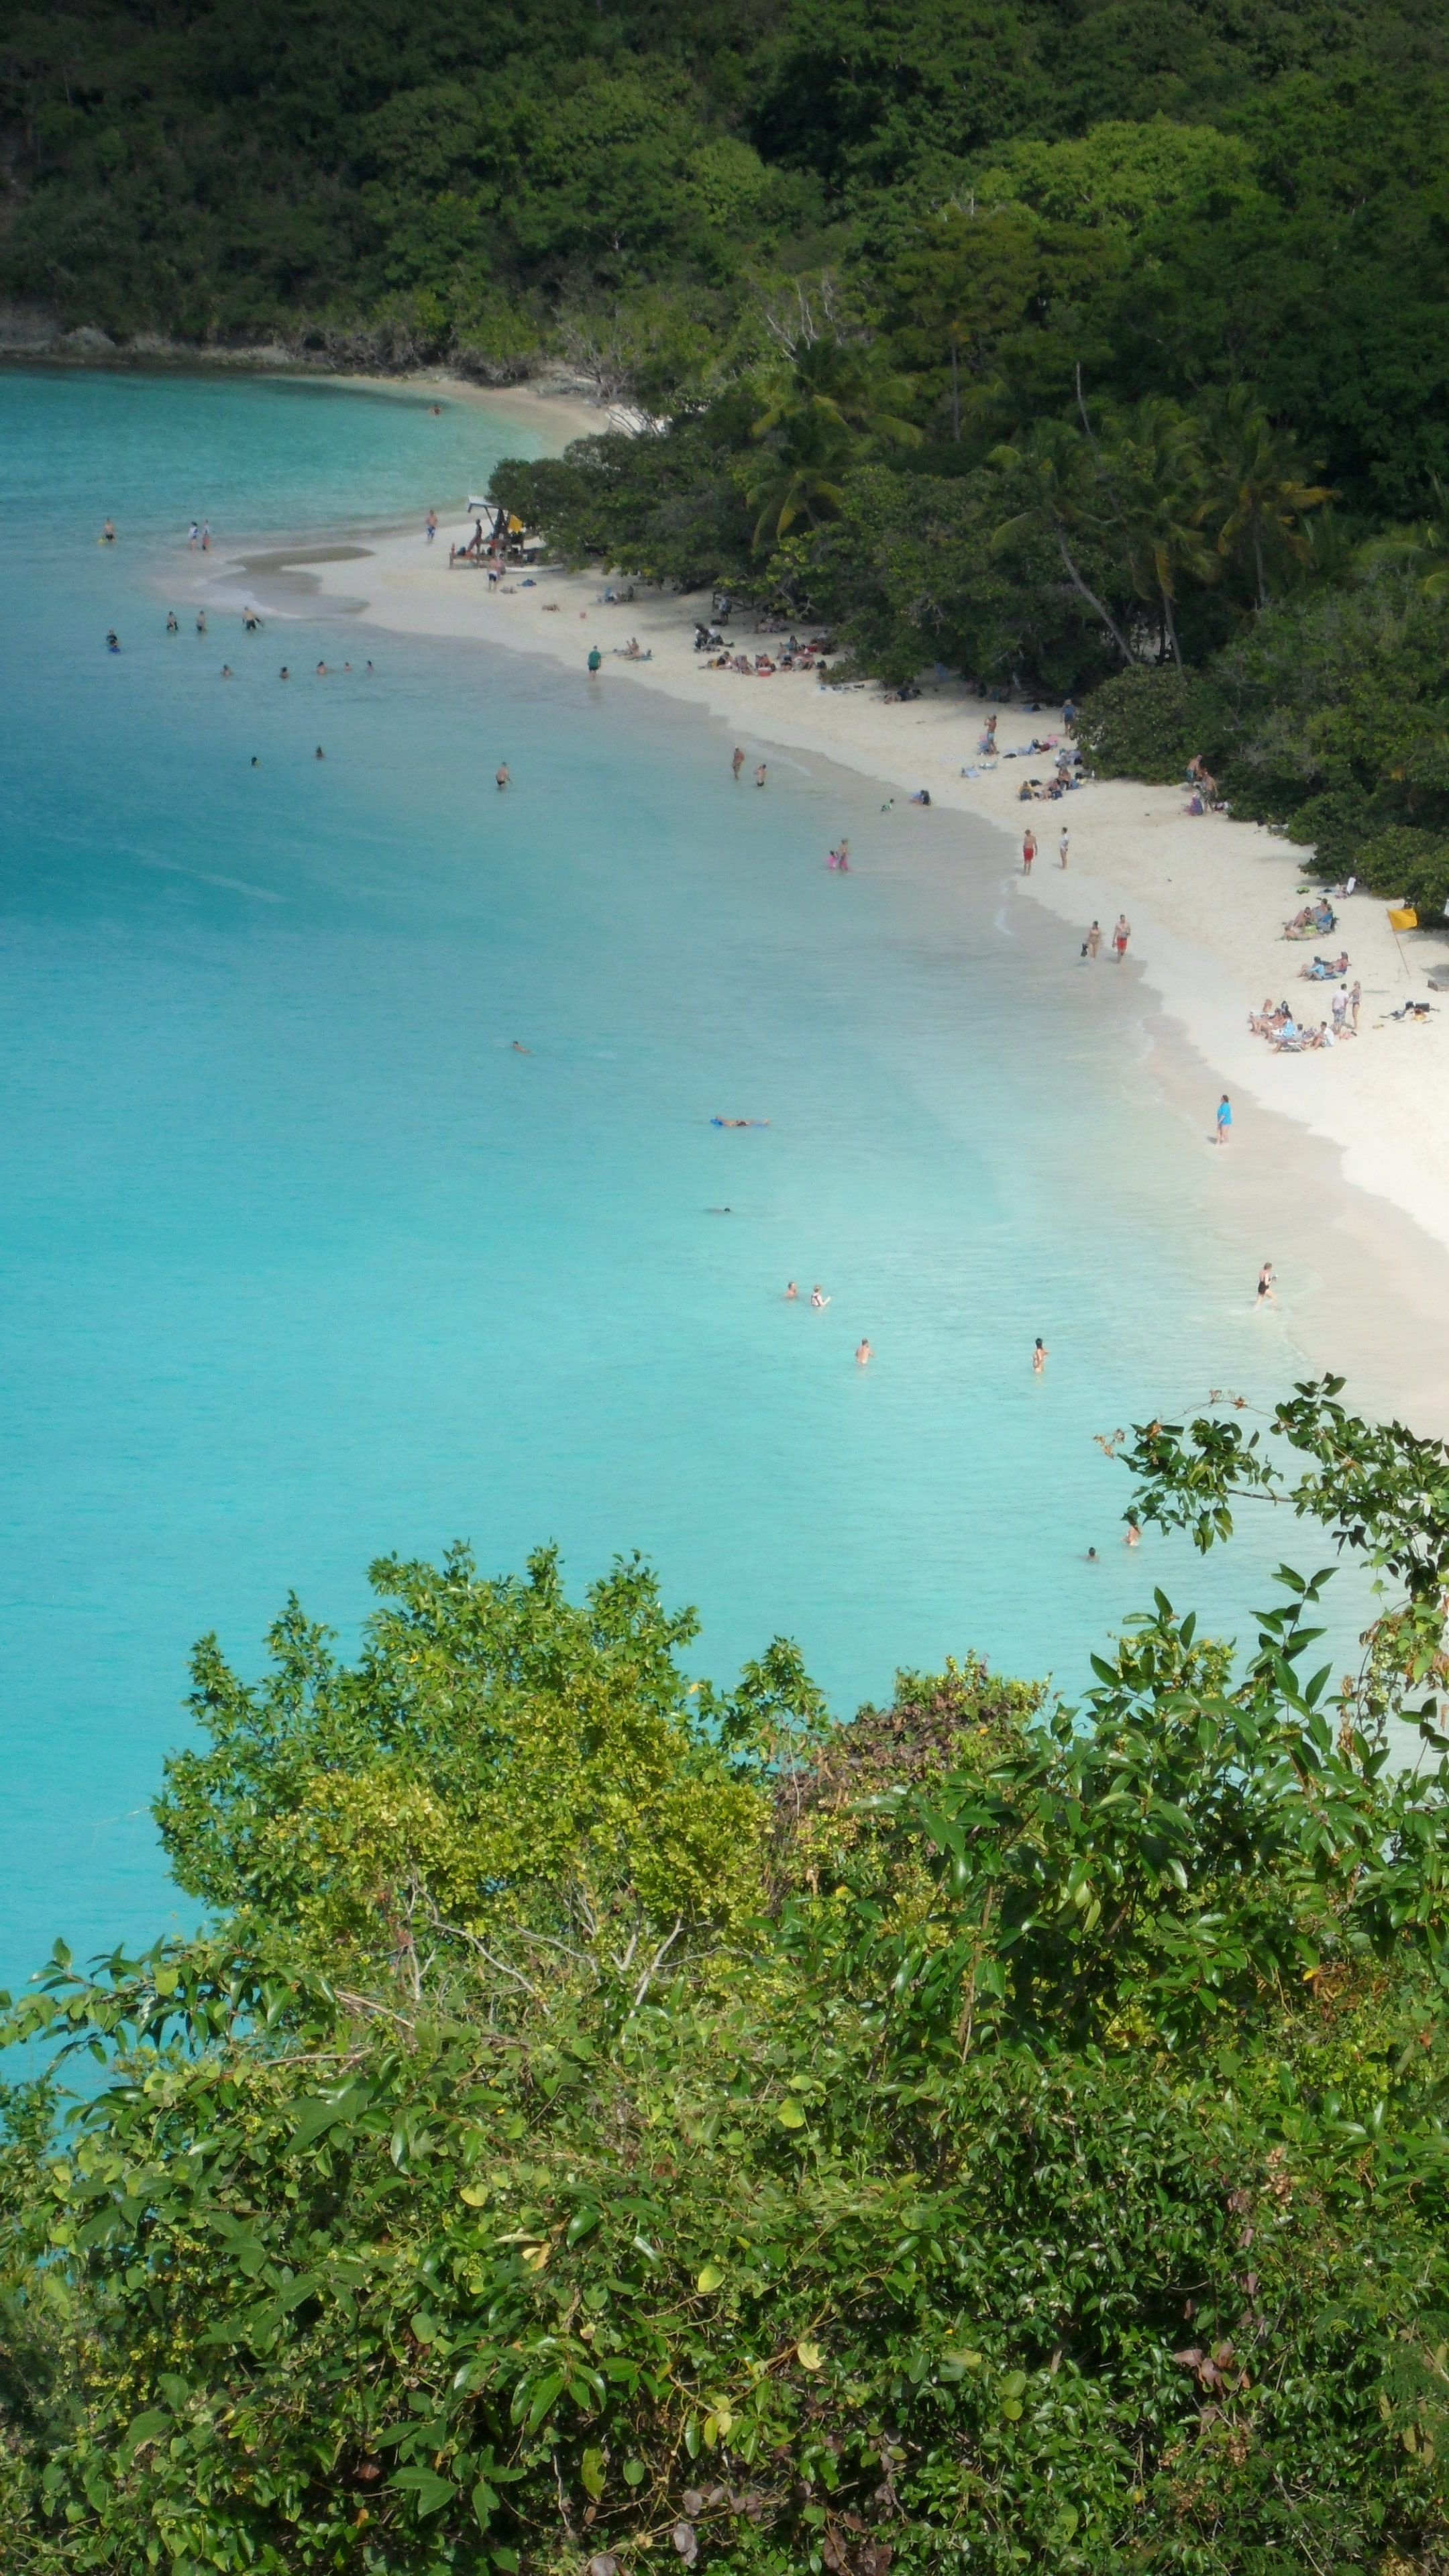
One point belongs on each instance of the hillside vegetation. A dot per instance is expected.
(612, 2125)
(1061, 344)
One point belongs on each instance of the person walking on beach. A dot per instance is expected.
(500, 774)
(760, 775)
(1267, 1295)
(1120, 937)
(1028, 851)
(1093, 941)
(431, 524)
(596, 661)
(738, 761)
(1064, 845)
(862, 1353)
(1038, 1355)
(1224, 1120)
(1354, 999)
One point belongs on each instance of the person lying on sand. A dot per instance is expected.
(1413, 1011)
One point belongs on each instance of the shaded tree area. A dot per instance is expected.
(612, 2121)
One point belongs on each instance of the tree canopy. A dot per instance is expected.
(1009, 2134)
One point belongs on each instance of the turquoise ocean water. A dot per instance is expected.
(300, 1261)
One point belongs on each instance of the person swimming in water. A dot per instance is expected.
(818, 1298)
(173, 625)
(862, 1352)
(201, 621)
(284, 673)
(790, 1290)
(520, 1049)
(113, 641)
(227, 672)
(500, 775)
(319, 753)
(1038, 1355)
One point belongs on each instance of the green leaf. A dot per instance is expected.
(790, 2114)
(591, 2473)
(485, 2503)
(545, 2398)
(145, 2429)
(432, 2492)
(710, 2278)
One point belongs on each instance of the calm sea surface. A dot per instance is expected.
(300, 1261)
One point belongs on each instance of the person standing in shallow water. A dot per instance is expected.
(1038, 1355)
(1120, 937)
(760, 775)
(1028, 851)
(738, 761)
(1224, 1120)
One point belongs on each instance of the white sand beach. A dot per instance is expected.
(1206, 897)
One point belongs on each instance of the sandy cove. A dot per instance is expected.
(1206, 898)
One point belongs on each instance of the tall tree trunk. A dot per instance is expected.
(1258, 562)
(1093, 602)
(955, 393)
(1170, 626)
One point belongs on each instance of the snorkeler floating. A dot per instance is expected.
(739, 1122)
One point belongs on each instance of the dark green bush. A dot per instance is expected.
(1150, 723)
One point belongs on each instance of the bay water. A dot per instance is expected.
(302, 1259)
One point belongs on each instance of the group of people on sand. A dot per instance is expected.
(763, 666)
(1287, 1036)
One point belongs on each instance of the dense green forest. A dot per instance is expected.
(612, 2124)
(1068, 344)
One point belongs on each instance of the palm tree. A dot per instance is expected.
(1059, 483)
(1420, 548)
(840, 380)
(1155, 475)
(828, 398)
(1262, 493)
(799, 473)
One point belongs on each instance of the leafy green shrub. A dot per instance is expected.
(1047, 2172)
(1149, 724)
(1337, 825)
(1402, 861)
